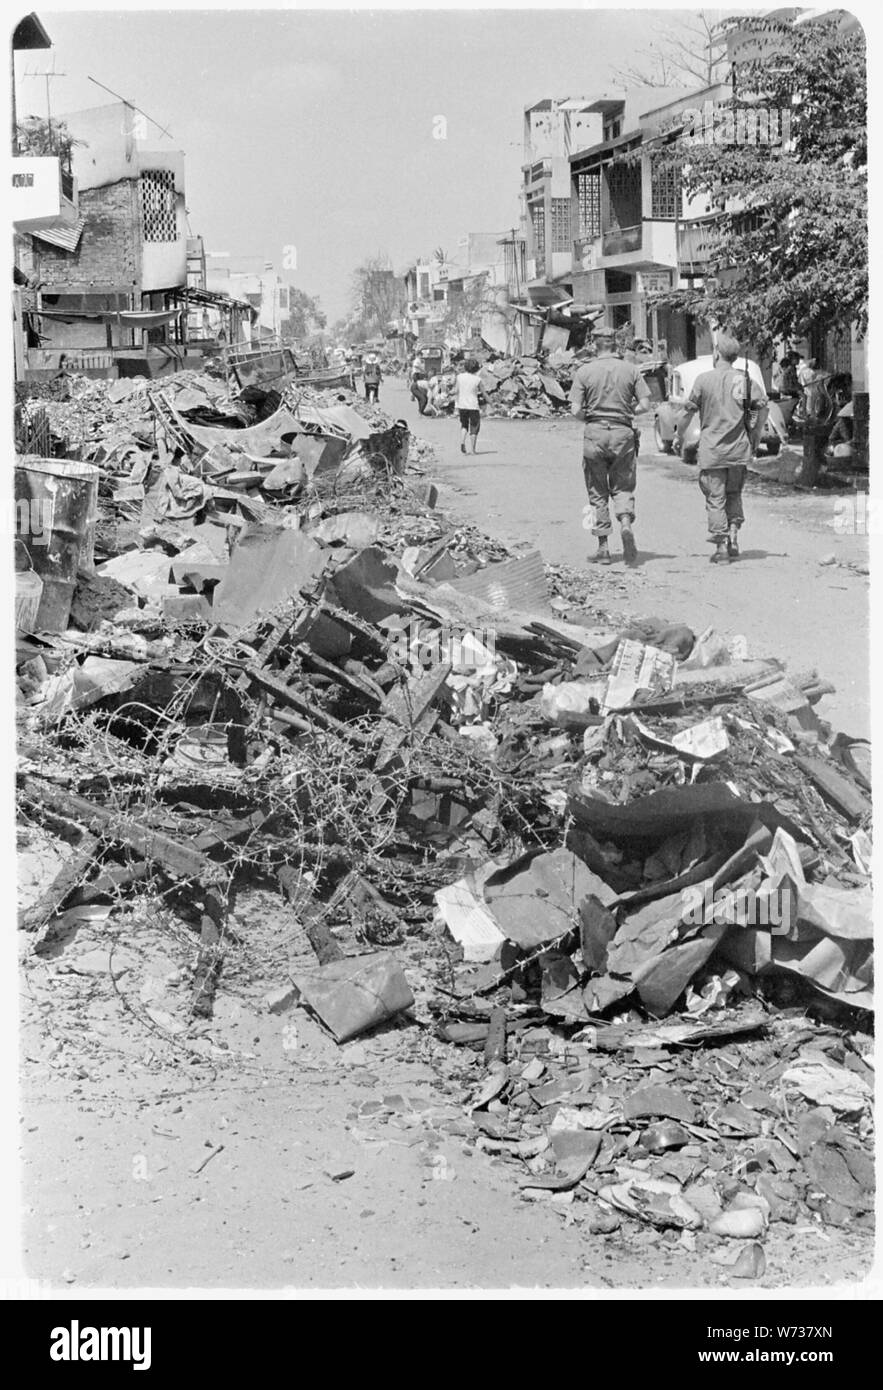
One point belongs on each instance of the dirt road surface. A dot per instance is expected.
(525, 484)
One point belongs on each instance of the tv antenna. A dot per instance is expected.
(48, 76)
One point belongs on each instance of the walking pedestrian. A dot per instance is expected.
(372, 376)
(419, 383)
(729, 405)
(607, 393)
(469, 394)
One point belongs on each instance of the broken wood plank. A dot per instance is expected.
(837, 790)
(409, 703)
(495, 1042)
(345, 678)
(318, 932)
(62, 885)
(179, 860)
(211, 954)
(306, 708)
(112, 881)
(435, 550)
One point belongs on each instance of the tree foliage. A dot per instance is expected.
(36, 135)
(305, 314)
(789, 243)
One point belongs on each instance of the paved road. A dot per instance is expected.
(526, 483)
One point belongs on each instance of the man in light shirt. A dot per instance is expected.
(729, 404)
(469, 404)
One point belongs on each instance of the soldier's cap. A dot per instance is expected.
(604, 332)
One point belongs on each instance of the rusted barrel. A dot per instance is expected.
(56, 504)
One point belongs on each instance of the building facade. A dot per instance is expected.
(110, 287)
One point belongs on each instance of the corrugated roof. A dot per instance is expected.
(66, 235)
(517, 585)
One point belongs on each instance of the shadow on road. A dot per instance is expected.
(763, 555)
(643, 557)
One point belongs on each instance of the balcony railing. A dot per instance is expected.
(623, 239)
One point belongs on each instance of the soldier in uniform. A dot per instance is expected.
(607, 393)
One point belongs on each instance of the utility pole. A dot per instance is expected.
(515, 264)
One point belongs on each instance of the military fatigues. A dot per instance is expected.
(605, 393)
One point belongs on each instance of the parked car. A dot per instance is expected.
(669, 412)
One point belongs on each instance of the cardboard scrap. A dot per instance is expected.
(638, 667)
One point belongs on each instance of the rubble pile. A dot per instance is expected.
(517, 388)
(615, 874)
(524, 388)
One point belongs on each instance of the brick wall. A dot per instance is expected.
(107, 259)
(109, 252)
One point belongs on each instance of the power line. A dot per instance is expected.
(160, 128)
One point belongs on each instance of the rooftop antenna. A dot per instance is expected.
(48, 76)
(162, 130)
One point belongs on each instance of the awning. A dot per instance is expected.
(134, 318)
(66, 235)
(194, 295)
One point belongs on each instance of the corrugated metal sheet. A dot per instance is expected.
(66, 235)
(517, 585)
(267, 569)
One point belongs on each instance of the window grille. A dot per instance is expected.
(539, 228)
(665, 186)
(158, 205)
(561, 224)
(589, 193)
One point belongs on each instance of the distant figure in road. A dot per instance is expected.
(372, 376)
(606, 393)
(469, 403)
(728, 402)
(419, 383)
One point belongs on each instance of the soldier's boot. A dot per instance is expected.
(629, 549)
(720, 554)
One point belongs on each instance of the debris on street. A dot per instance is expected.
(611, 879)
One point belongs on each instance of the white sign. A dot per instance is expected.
(654, 281)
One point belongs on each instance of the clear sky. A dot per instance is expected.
(315, 129)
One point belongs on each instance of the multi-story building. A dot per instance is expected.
(552, 130)
(628, 207)
(108, 285)
(262, 292)
(600, 212)
(44, 200)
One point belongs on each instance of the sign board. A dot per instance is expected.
(654, 281)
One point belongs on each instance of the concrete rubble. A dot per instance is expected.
(612, 877)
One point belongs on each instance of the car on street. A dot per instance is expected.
(669, 412)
